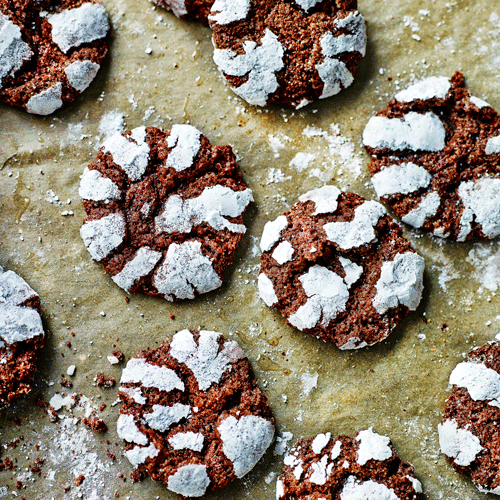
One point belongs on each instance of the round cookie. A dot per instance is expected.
(21, 336)
(287, 52)
(345, 468)
(193, 416)
(164, 211)
(50, 51)
(469, 434)
(191, 10)
(436, 159)
(336, 266)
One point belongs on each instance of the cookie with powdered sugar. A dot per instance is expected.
(365, 467)
(21, 336)
(164, 211)
(436, 159)
(287, 52)
(50, 51)
(336, 266)
(193, 415)
(191, 10)
(469, 434)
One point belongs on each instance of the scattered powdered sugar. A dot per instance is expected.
(74, 27)
(96, 187)
(282, 443)
(404, 178)
(143, 262)
(81, 73)
(309, 382)
(245, 440)
(430, 88)
(357, 489)
(272, 232)
(213, 205)
(400, 283)
(485, 260)
(184, 271)
(459, 444)
(325, 199)
(138, 371)
(229, 11)
(189, 480)
(360, 231)
(266, 290)
(46, 102)
(372, 446)
(14, 52)
(481, 382)
(259, 62)
(415, 131)
(185, 142)
(301, 161)
(204, 359)
(102, 236)
(112, 123)
(427, 207)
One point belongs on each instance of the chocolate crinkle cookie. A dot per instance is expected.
(193, 416)
(436, 159)
(469, 434)
(21, 336)
(365, 467)
(191, 10)
(50, 51)
(164, 211)
(287, 52)
(336, 266)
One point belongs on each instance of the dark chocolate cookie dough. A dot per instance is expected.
(365, 467)
(50, 51)
(336, 266)
(436, 159)
(21, 336)
(469, 433)
(164, 211)
(288, 52)
(193, 416)
(191, 10)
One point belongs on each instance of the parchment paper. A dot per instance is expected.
(398, 387)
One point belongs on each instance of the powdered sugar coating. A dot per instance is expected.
(46, 102)
(134, 393)
(138, 455)
(229, 11)
(357, 489)
(481, 200)
(319, 442)
(272, 232)
(327, 296)
(13, 289)
(185, 142)
(360, 231)
(163, 417)
(457, 443)
(187, 441)
(245, 440)
(18, 324)
(404, 178)
(400, 283)
(427, 207)
(139, 371)
(102, 236)
(81, 73)
(325, 198)
(75, 27)
(352, 271)
(184, 271)
(96, 187)
(415, 131)
(434, 87)
(141, 265)
(283, 252)
(307, 5)
(14, 52)
(178, 7)
(128, 431)
(131, 152)
(203, 358)
(353, 343)
(482, 383)
(266, 290)
(259, 62)
(372, 446)
(493, 145)
(189, 480)
(212, 207)
(479, 103)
